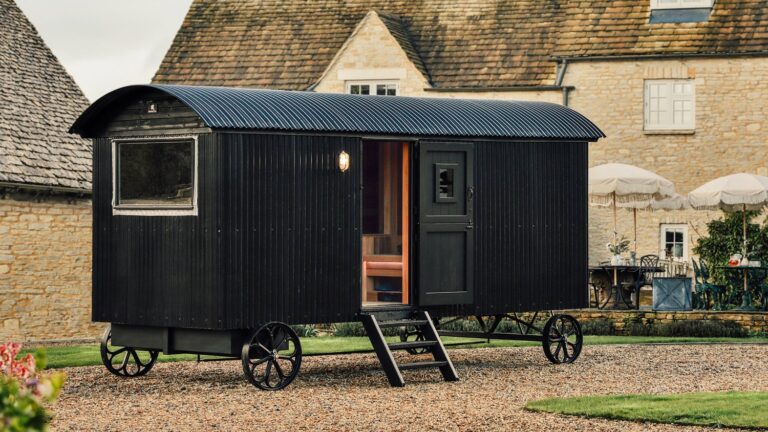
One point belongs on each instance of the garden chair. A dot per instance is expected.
(701, 290)
(643, 276)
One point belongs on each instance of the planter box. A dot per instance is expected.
(672, 294)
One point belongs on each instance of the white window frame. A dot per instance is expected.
(372, 84)
(667, 98)
(118, 210)
(681, 4)
(674, 227)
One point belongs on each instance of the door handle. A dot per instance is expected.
(469, 227)
(470, 193)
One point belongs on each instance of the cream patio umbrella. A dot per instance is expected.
(733, 192)
(626, 186)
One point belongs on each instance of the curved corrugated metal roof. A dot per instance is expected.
(278, 110)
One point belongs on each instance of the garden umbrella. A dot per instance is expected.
(628, 186)
(733, 192)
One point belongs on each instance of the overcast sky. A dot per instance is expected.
(105, 44)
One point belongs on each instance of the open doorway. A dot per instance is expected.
(386, 182)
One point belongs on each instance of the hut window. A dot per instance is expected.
(445, 188)
(388, 88)
(155, 174)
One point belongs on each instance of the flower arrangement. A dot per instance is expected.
(23, 390)
(618, 248)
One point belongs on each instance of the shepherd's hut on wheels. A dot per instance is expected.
(222, 216)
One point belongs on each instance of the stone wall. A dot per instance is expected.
(731, 133)
(45, 269)
(756, 322)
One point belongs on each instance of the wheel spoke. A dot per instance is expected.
(260, 361)
(279, 370)
(268, 372)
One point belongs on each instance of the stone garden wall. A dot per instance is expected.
(756, 322)
(45, 269)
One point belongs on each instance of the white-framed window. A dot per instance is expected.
(378, 88)
(670, 105)
(154, 176)
(674, 241)
(681, 4)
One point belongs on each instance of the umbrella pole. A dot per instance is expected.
(744, 228)
(615, 233)
(634, 211)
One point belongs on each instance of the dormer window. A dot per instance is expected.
(680, 4)
(680, 11)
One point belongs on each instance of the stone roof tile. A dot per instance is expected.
(38, 103)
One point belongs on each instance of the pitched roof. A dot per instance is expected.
(473, 43)
(289, 44)
(612, 28)
(38, 102)
(277, 110)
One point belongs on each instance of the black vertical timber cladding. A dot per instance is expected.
(277, 237)
(156, 270)
(290, 228)
(530, 227)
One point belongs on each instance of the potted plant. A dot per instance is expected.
(616, 249)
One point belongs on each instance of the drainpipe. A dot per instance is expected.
(560, 78)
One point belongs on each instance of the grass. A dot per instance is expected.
(88, 355)
(725, 409)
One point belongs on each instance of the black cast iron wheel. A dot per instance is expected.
(272, 356)
(125, 362)
(407, 335)
(562, 339)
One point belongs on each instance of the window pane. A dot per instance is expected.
(669, 236)
(381, 90)
(677, 251)
(678, 237)
(354, 89)
(446, 183)
(155, 174)
(391, 90)
(365, 89)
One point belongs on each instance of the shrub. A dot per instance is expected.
(304, 330)
(598, 327)
(23, 391)
(691, 328)
(357, 329)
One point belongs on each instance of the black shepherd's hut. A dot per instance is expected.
(222, 215)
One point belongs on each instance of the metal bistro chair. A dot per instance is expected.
(715, 292)
(648, 266)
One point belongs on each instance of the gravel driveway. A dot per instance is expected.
(350, 392)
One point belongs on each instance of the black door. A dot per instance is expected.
(445, 249)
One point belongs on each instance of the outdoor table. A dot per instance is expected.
(746, 303)
(621, 268)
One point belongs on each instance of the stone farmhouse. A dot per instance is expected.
(45, 189)
(679, 86)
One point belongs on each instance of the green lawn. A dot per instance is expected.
(730, 409)
(86, 355)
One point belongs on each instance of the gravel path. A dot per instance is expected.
(350, 392)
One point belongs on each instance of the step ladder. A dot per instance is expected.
(422, 321)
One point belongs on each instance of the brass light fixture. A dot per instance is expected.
(343, 161)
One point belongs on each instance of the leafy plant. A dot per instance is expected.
(23, 391)
(618, 248)
(598, 327)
